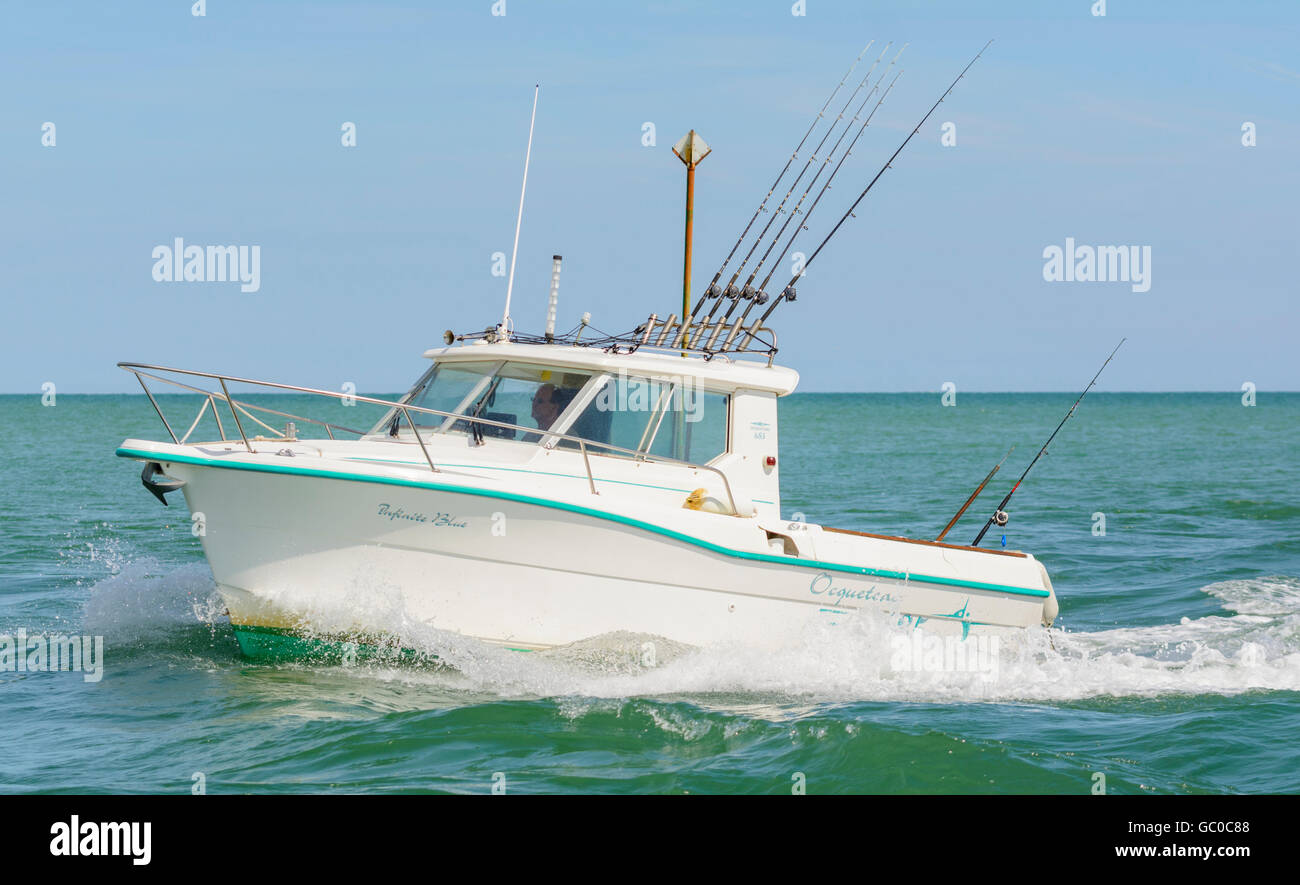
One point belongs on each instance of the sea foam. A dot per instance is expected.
(1253, 644)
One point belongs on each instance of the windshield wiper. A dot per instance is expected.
(489, 397)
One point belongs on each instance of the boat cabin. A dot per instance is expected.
(621, 413)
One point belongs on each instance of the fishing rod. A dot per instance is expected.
(999, 516)
(975, 494)
(760, 294)
(712, 289)
(803, 225)
(788, 292)
(730, 289)
(757, 296)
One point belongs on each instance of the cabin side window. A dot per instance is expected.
(692, 425)
(620, 414)
(654, 416)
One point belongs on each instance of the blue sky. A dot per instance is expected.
(225, 129)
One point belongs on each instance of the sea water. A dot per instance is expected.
(1170, 524)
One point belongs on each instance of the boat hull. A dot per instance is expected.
(351, 560)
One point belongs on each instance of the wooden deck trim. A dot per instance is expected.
(827, 528)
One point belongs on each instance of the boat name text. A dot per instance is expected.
(822, 584)
(437, 520)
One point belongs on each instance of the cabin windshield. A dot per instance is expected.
(522, 394)
(669, 418)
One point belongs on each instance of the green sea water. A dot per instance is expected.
(1175, 666)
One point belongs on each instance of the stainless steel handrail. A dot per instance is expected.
(217, 417)
(170, 432)
(139, 369)
(591, 480)
(329, 428)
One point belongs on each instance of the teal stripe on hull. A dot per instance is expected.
(815, 565)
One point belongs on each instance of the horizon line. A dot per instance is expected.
(1235, 391)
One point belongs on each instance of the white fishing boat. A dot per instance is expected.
(535, 491)
(602, 492)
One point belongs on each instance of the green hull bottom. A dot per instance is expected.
(278, 644)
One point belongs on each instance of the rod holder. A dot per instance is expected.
(649, 327)
(718, 327)
(731, 335)
(668, 325)
(751, 333)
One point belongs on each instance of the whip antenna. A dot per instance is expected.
(510, 284)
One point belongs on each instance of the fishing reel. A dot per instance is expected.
(1000, 518)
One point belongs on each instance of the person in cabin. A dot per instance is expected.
(549, 402)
